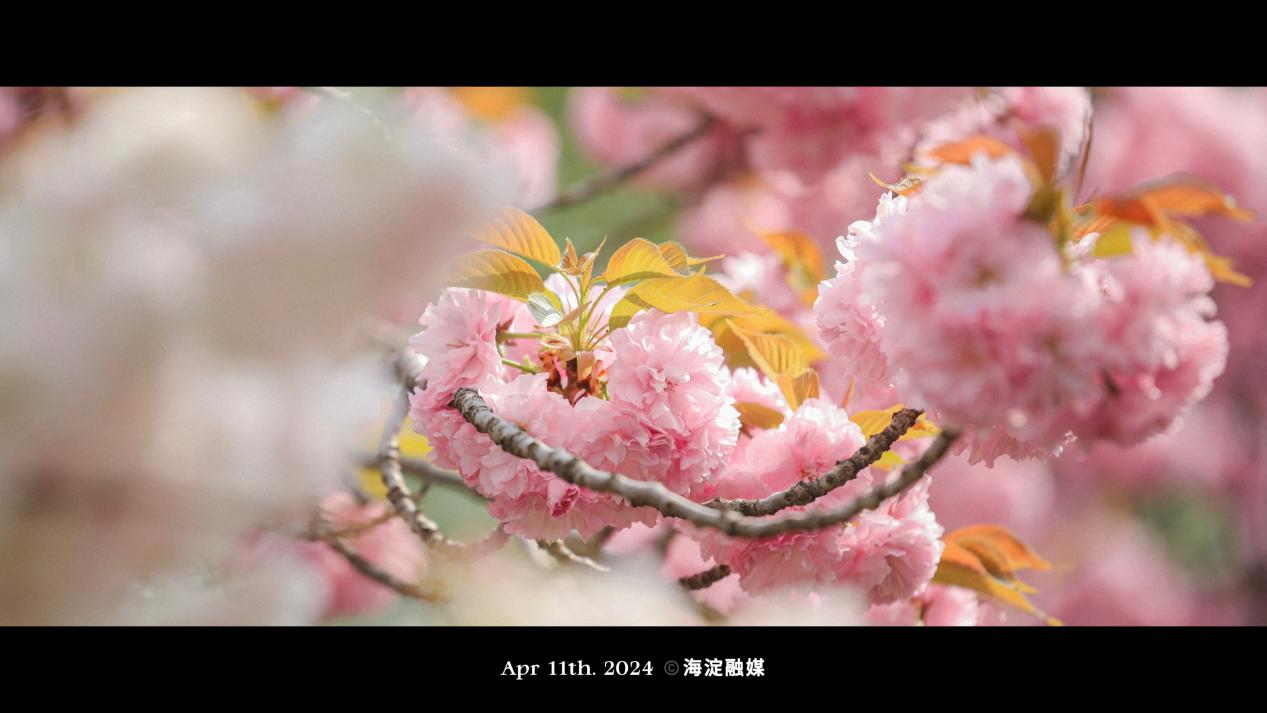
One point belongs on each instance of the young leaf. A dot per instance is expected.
(961, 152)
(492, 103)
(799, 253)
(783, 362)
(1183, 196)
(888, 460)
(696, 293)
(1043, 145)
(755, 415)
(674, 254)
(496, 271)
(874, 421)
(637, 259)
(803, 386)
(1114, 241)
(520, 233)
(767, 321)
(998, 548)
(545, 310)
(960, 567)
(774, 354)
(908, 186)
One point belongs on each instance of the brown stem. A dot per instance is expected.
(512, 439)
(606, 181)
(705, 579)
(807, 491)
(372, 571)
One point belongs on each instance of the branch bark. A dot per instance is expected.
(403, 501)
(372, 571)
(512, 439)
(705, 579)
(607, 181)
(807, 491)
(428, 472)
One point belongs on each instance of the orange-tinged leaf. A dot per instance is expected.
(755, 415)
(695, 293)
(520, 233)
(908, 186)
(1221, 269)
(1043, 145)
(637, 259)
(1182, 196)
(799, 252)
(492, 103)
(962, 151)
(1191, 197)
(961, 567)
(497, 271)
(998, 548)
(1091, 222)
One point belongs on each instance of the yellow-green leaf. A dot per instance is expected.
(755, 415)
(799, 252)
(1114, 241)
(797, 388)
(774, 354)
(637, 259)
(674, 254)
(696, 293)
(873, 421)
(767, 321)
(497, 271)
(783, 362)
(888, 460)
(520, 233)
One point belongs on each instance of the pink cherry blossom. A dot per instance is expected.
(669, 376)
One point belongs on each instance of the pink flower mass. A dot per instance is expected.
(887, 356)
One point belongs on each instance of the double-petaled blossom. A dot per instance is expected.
(663, 412)
(889, 553)
(982, 320)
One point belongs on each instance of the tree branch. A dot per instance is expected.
(372, 571)
(705, 579)
(807, 491)
(512, 439)
(427, 471)
(606, 181)
(402, 500)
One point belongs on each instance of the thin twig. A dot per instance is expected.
(606, 181)
(705, 579)
(807, 491)
(563, 553)
(428, 472)
(372, 571)
(512, 439)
